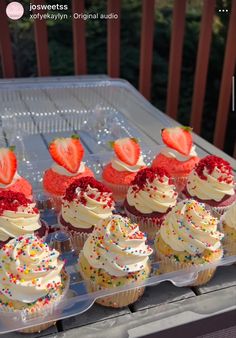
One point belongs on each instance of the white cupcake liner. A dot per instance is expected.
(78, 238)
(146, 224)
(219, 211)
(169, 265)
(119, 191)
(118, 300)
(49, 308)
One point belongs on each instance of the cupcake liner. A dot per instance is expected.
(37, 311)
(180, 183)
(168, 265)
(78, 238)
(38, 328)
(216, 211)
(56, 203)
(219, 211)
(53, 202)
(119, 191)
(229, 245)
(146, 224)
(118, 300)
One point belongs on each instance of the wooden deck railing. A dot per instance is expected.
(146, 53)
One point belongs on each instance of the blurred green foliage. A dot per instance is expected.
(61, 52)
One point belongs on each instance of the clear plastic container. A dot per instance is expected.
(35, 114)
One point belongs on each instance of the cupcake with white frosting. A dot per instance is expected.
(115, 255)
(19, 216)
(149, 198)
(86, 202)
(188, 237)
(228, 227)
(123, 167)
(212, 182)
(32, 279)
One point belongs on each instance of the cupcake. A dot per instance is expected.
(19, 216)
(32, 279)
(149, 198)
(67, 154)
(9, 177)
(115, 255)
(188, 237)
(85, 203)
(228, 227)
(178, 156)
(120, 172)
(212, 182)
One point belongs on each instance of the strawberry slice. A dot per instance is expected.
(178, 138)
(127, 150)
(8, 165)
(67, 152)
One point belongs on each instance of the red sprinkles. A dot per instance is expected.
(83, 183)
(149, 174)
(10, 200)
(211, 162)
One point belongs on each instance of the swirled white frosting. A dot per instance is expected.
(169, 152)
(62, 171)
(15, 178)
(117, 246)
(118, 165)
(96, 206)
(15, 223)
(156, 196)
(210, 188)
(230, 217)
(190, 227)
(29, 269)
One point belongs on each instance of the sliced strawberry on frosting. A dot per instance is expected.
(178, 138)
(127, 150)
(67, 152)
(8, 165)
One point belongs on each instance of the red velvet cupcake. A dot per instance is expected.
(86, 202)
(9, 178)
(178, 157)
(68, 167)
(120, 172)
(212, 182)
(19, 216)
(149, 198)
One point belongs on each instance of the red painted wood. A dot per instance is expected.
(224, 102)
(147, 31)
(41, 41)
(113, 39)
(79, 39)
(200, 79)
(5, 44)
(175, 59)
